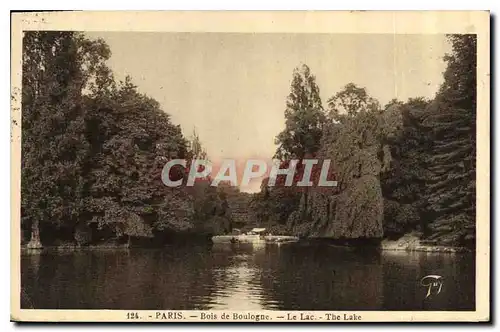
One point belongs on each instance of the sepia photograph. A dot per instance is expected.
(250, 166)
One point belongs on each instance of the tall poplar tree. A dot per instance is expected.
(304, 117)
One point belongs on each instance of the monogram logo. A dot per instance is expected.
(433, 283)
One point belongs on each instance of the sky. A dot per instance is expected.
(232, 87)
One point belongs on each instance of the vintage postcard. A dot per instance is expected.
(250, 166)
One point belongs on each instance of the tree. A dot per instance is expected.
(350, 101)
(197, 150)
(304, 120)
(451, 195)
(132, 139)
(303, 117)
(92, 149)
(57, 68)
(273, 205)
(403, 184)
(134, 226)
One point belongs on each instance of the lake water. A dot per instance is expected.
(247, 277)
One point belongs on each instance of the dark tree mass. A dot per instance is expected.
(93, 150)
(407, 167)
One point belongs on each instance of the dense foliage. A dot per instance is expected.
(450, 199)
(93, 151)
(410, 164)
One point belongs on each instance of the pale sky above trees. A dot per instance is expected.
(232, 87)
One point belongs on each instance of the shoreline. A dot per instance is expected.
(407, 243)
(412, 243)
(430, 249)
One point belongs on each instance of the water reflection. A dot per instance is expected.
(240, 290)
(246, 277)
(322, 278)
(457, 271)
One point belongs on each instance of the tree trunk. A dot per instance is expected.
(128, 241)
(35, 242)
